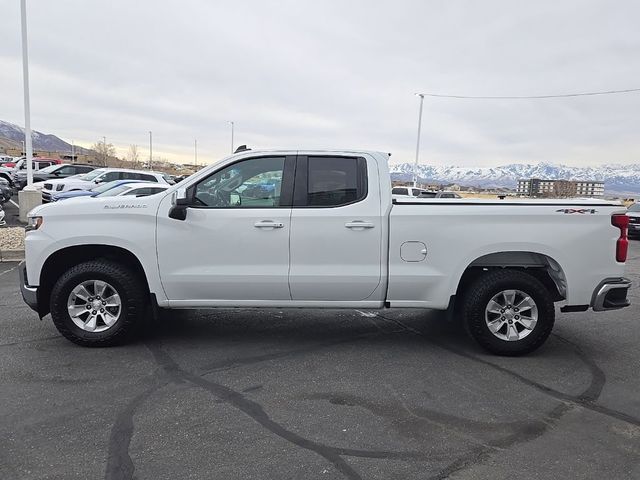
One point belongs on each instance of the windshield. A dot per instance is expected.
(635, 207)
(114, 191)
(106, 186)
(93, 174)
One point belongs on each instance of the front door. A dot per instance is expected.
(336, 230)
(234, 243)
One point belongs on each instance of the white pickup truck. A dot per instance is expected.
(319, 229)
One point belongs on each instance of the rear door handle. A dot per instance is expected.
(268, 224)
(359, 224)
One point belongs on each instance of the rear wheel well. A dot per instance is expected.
(62, 260)
(540, 266)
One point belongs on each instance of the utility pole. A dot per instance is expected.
(195, 146)
(73, 157)
(415, 167)
(150, 149)
(232, 125)
(27, 103)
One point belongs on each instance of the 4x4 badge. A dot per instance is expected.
(579, 210)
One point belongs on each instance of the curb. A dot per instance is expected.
(11, 255)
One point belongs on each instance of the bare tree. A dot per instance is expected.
(104, 151)
(133, 156)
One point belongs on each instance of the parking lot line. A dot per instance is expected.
(14, 203)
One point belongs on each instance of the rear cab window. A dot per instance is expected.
(330, 181)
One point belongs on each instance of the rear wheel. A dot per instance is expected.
(98, 303)
(509, 312)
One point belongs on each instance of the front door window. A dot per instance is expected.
(254, 183)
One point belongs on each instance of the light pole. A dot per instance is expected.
(195, 148)
(27, 104)
(232, 125)
(415, 166)
(150, 148)
(73, 152)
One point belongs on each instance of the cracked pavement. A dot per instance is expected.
(293, 394)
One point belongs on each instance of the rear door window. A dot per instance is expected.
(331, 181)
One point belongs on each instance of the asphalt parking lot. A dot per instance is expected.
(12, 211)
(244, 394)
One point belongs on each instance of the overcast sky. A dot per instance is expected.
(331, 74)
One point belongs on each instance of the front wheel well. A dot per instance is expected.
(62, 260)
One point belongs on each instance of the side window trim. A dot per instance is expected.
(286, 188)
(302, 178)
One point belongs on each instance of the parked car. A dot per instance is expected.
(633, 212)
(3, 222)
(328, 236)
(6, 173)
(414, 192)
(5, 160)
(38, 163)
(137, 189)
(407, 191)
(428, 194)
(6, 191)
(97, 190)
(51, 172)
(98, 176)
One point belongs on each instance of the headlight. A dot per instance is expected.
(33, 223)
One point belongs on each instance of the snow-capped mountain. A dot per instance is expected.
(41, 141)
(617, 178)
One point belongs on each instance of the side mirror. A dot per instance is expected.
(179, 203)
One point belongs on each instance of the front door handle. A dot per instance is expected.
(268, 224)
(359, 224)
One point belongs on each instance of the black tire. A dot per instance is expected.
(483, 289)
(127, 284)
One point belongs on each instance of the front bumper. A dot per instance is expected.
(611, 294)
(29, 294)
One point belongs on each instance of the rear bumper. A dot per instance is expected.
(611, 294)
(29, 294)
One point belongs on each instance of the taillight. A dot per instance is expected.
(621, 221)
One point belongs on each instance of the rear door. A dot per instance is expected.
(336, 230)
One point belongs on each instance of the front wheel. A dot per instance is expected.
(98, 303)
(509, 312)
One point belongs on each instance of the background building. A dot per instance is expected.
(535, 187)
